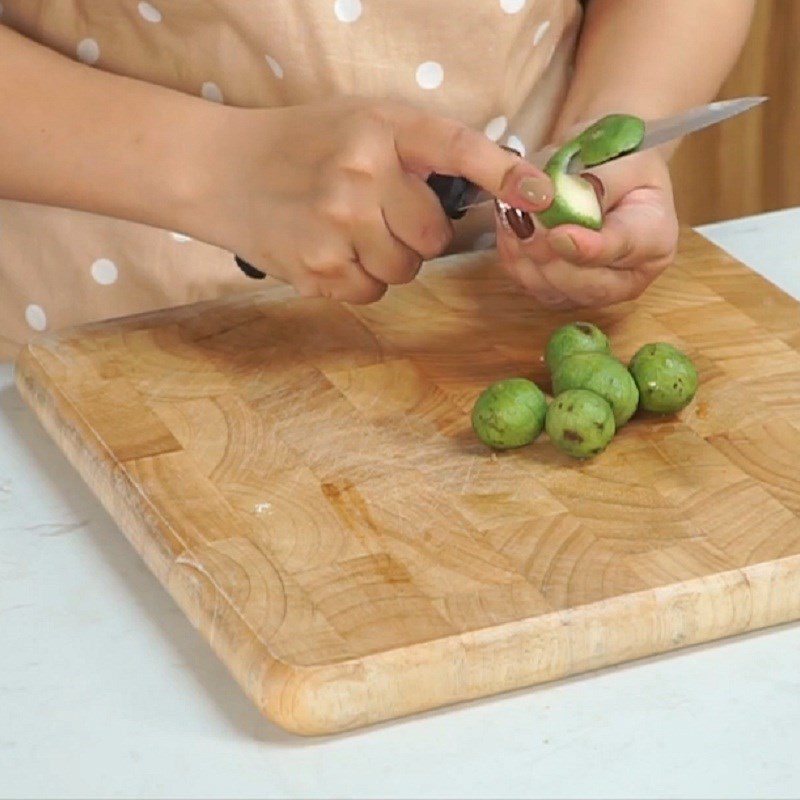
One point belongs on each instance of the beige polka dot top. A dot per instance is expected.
(501, 66)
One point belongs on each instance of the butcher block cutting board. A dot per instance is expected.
(302, 477)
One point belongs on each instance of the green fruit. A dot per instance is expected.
(666, 378)
(604, 375)
(580, 422)
(610, 137)
(509, 413)
(577, 337)
(575, 201)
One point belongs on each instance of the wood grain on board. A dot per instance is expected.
(302, 477)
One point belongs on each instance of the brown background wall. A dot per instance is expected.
(750, 164)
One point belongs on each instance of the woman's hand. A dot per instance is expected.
(331, 197)
(573, 267)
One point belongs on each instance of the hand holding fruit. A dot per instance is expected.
(572, 265)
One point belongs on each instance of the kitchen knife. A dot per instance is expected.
(458, 195)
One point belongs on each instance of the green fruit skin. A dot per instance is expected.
(580, 422)
(610, 137)
(666, 378)
(577, 337)
(604, 375)
(510, 413)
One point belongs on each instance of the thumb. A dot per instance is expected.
(431, 143)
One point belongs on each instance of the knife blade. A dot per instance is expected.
(657, 132)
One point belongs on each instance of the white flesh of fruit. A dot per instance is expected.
(579, 196)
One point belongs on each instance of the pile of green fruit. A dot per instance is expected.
(594, 393)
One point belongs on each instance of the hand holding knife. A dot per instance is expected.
(457, 194)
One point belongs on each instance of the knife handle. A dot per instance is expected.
(453, 191)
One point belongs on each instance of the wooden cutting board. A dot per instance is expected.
(303, 479)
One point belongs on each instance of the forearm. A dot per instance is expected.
(77, 137)
(653, 58)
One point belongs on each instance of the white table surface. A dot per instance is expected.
(107, 691)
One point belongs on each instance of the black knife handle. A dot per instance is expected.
(453, 191)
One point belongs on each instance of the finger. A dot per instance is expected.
(595, 287)
(511, 247)
(641, 228)
(530, 277)
(589, 248)
(351, 217)
(438, 144)
(380, 254)
(524, 271)
(640, 184)
(354, 286)
(327, 265)
(414, 214)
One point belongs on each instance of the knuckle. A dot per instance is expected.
(321, 262)
(368, 143)
(461, 141)
(342, 203)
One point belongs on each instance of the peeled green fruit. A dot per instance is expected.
(577, 337)
(510, 413)
(574, 198)
(604, 375)
(580, 422)
(666, 378)
(575, 201)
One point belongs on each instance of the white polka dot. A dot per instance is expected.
(347, 10)
(212, 92)
(181, 237)
(430, 74)
(516, 143)
(274, 66)
(512, 6)
(486, 241)
(88, 51)
(35, 317)
(105, 271)
(496, 127)
(540, 32)
(149, 12)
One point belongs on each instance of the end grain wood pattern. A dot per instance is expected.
(303, 479)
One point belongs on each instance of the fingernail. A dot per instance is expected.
(538, 189)
(564, 245)
(520, 222)
(510, 149)
(599, 189)
(515, 220)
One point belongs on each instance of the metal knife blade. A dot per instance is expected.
(657, 132)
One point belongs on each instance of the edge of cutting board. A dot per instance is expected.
(335, 697)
